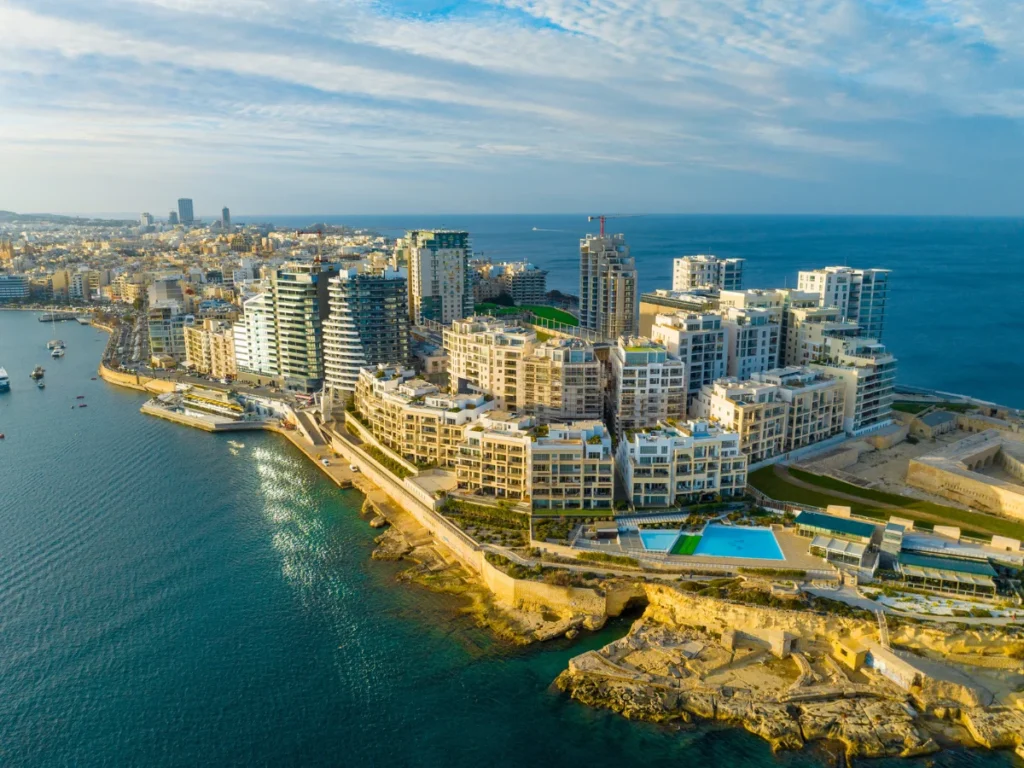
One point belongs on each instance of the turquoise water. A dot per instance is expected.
(739, 541)
(165, 603)
(658, 541)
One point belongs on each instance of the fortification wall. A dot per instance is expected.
(135, 381)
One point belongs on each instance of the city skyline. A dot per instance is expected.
(509, 106)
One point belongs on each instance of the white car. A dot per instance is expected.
(325, 462)
(353, 467)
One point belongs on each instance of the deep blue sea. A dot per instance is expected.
(955, 317)
(164, 602)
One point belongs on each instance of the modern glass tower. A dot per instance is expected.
(185, 215)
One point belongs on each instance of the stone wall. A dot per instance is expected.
(135, 381)
(976, 492)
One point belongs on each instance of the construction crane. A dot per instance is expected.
(604, 217)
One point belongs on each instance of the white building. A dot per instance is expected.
(689, 272)
(817, 404)
(807, 329)
(753, 336)
(255, 342)
(868, 372)
(647, 385)
(681, 464)
(754, 410)
(609, 296)
(860, 295)
(699, 341)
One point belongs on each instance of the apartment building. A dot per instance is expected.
(440, 280)
(647, 385)
(753, 336)
(671, 465)
(807, 329)
(754, 410)
(702, 270)
(299, 299)
(754, 298)
(561, 380)
(413, 417)
(484, 356)
(572, 466)
(817, 404)
(255, 343)
(368, 325)
(166, 322)
(494, 456)
(608, 287)
(860, 295)
(524, 282)
(699, 341)
(14, 287)
(868, 372)
(665, 302)
(210, 348)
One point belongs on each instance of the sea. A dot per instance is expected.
(168, 600)
(954, 318)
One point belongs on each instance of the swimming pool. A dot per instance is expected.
(740, 542)
(658, 541)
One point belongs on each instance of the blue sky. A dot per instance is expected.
(368, 106)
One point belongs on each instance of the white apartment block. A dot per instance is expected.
(572, 467)
(860, 295)
(524, 282)
(255, 338)
(609, 293)
(752, 298)
(484, 355)
(703, 270)
(413, 417)
(561, 380)
(754, 410)
(681, 464)
(647, 385)
(816, 402)
(440, 282)
(699, 341)
(753, 337)
(868, 372)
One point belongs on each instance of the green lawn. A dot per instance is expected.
(766, 481)
(550, 313)
(916, 406)
(685, 545)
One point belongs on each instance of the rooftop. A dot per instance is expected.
(841, 525)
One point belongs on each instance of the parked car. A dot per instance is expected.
(353, 467)
(325, 462)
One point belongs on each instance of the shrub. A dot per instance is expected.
(603, 557)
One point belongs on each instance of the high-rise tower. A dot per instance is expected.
(608, 287)
(185, 215)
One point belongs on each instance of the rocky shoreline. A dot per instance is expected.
(681, 663)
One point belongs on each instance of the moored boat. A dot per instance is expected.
(57, 352)
(5, 380)
(37, 372)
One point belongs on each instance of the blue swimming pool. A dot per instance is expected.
(658, 541)
(738, 541)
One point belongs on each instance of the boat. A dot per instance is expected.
(5, 380)
(79, 397)
(57, 352)
(93, 379)
(83, 405)
(55, 344)
(37, 372)
(41, 385)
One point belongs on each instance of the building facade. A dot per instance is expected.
(672, 465)
(210, 348)
(167, 321)
(753, 336)
(868, 372)
(704, 270)
(185, 213)
(753, 410)
(608, 287)
(646, 385)
(299, 299)
(484, 356)
(816, 404)
(572, 467)
(860, 295)
(368, 325)
(440, 280)
(561, 380)
(699, 341)
(14, 287)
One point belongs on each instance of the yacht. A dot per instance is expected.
(37, 372)
(55, 344)
(57, 352)
(5, 380)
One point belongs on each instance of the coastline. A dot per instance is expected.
(444, 560)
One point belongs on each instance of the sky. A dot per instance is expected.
(513, 106)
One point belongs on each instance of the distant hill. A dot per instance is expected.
(10, 217)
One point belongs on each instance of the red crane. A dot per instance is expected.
(604, 217)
